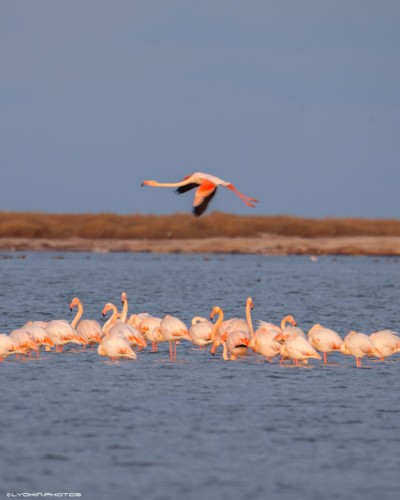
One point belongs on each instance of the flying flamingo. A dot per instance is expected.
(206, 185)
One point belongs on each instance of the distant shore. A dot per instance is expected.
(267, 244)
(213, 233)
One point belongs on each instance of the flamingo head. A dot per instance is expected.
(149, 183)
(107, 307)
(291, 320)
(250, 302)
(124, 298)
(74, 303)
(216, 310)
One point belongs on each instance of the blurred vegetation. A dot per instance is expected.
(184, 226)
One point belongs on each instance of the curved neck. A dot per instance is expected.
(216, 326)
(124, 313)
(248, 318)
(78, 316)
(283, 322)
(108, 324)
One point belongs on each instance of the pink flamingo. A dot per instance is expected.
(206, 185)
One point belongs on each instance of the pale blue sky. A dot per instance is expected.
(296, 102)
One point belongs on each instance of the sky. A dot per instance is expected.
(297, 103)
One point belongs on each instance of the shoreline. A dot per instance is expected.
(268, 244)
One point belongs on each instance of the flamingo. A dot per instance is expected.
(206, 185)
(221, 327)
(263, 341)
(8, 347)
(38, 334)
(386, 341)
(23, 340)
(200, 331)
(324, 340)
(86, 328)
(149, 326)
(61, 332)
(115, 346)
(359, 345)
(296, 347)
(173, 329)
(112, 319)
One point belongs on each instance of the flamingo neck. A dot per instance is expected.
(249, 320)
(216, 326)
(124, 313)
(283, 322)
(109, 323)
(78, 316)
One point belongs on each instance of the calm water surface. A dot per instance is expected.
(201, 428)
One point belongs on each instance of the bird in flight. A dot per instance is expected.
(206, 185)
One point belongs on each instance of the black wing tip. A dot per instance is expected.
(197, 211)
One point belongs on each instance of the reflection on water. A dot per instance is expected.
(201, 427)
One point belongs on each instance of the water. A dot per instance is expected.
(201, 427)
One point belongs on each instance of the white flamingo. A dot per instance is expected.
(173, 329)
(359, 345)
(86, 328)
(386, 341)
(296, 347)
(8, 347)
(200, 331)
(324, 340)
(115, 347)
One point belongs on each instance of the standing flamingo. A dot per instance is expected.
(200, 331)
(234, 324)
(115, 346)
(359, 345)
(296, 347)
(8, 347)
(86, 328)
(206, 185)
(149, 326)
(386, 341)
(324, 340)
(173, 329)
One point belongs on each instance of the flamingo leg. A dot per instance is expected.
(175, 350)
(325, 359)
(250, 202)
(170, 350)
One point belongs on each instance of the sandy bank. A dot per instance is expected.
(264, 245)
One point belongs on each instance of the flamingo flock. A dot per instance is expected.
(123, 336)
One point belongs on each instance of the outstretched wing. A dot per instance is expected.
(187, 187)
(203, 196)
